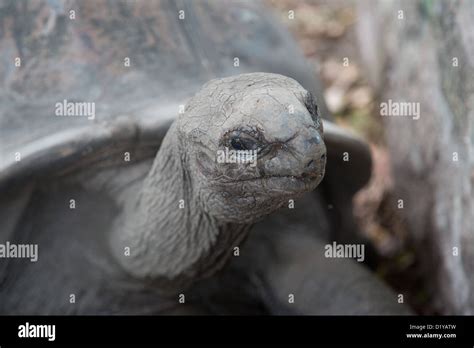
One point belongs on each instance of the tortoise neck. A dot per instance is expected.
(169, 235)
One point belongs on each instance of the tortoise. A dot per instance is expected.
(129, 208)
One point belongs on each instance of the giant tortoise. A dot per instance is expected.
(118, 183)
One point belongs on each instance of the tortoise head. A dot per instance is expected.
(252, 142)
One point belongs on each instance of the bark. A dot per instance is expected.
(427, 57)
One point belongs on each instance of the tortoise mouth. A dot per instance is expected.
(303, 177)
(290, 180)
(283, 183)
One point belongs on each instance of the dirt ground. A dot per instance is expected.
(325, 32)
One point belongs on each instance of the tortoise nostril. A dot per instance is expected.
(323, 156)
(310, 163)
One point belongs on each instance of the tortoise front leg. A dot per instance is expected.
(293, 276)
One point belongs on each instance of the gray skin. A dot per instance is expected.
(221, 200)
(174, 251)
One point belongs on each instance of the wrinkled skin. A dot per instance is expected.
(252, 108)
(250, 111)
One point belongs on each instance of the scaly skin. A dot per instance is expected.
(221, 200)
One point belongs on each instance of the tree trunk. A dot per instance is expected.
(423, 52)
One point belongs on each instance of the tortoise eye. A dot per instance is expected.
(237, 144)
(242, 141)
